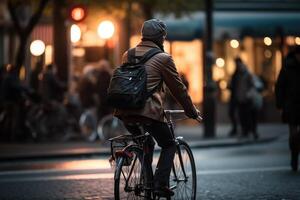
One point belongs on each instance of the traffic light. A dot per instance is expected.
(77, 13)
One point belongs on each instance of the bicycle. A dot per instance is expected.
(92, 129)
(133, 180)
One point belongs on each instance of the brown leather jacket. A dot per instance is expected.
(159, 68)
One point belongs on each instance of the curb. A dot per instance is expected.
(106, 151)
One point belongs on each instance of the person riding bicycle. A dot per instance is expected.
(160, 68)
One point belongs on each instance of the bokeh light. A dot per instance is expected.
(268, 41)
(106, 29)
(37, 47)
(297, 40)
(75, 33)
(220, 62)
(234, 43)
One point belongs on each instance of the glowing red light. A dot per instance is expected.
(78, 13)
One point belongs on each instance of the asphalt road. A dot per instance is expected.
(256, 172)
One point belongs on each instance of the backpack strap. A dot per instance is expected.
(131, 56)
(149, 54)
(141, 60)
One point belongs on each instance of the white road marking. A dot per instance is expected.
(247, 170)
(41, 175)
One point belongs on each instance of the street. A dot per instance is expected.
(257, 171)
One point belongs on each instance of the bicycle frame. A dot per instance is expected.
(139, 143)
(170, 122)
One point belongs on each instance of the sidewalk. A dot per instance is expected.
(192, 134)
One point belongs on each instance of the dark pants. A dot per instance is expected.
(253, 121)
(162, 134)
(248, 119)
(294, 138)
(232, 116)
(245, 118)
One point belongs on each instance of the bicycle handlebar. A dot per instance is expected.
(198, 119)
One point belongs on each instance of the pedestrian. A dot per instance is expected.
(246, 98)
(103, 76)
(232, 111)
(87, 88)
(160, 69)
(13, 95)
(34, 81)
(287, 91)
(52, 89)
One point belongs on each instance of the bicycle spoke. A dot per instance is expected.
(130, 179)
(183, 182)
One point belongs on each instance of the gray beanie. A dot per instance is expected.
(153, 29)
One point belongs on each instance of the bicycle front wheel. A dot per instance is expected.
(183, 177)
(129, 181)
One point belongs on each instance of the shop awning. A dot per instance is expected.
(234, 25)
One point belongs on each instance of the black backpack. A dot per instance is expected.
(128, 85)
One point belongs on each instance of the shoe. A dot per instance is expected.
(163, 192)
(294, 161)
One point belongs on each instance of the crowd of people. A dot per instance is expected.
(45, 88)
(246, 101)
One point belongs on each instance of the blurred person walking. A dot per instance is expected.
(233, 104)
(12, 97)
(287, 91)
(93, 93)
(52, 89)
(247, 99)
(103, 76)
(34, 81)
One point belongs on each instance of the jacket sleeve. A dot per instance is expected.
(280, 89)
(176, 86)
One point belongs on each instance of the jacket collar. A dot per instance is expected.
(147, 44)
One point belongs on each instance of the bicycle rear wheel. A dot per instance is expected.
(129, 181)
(183, 177)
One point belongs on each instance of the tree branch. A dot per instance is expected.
(14, 17)
(36, 16)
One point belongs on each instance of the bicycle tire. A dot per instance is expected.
(136, 181)
(110, 126)
(178, 183)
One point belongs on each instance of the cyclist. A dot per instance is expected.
(160, 68)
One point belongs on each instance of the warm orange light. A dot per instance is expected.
(106, 29)
(77, 13)
(297, 40)
(223, 84)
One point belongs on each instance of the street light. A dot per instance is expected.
(234, 43)
(37, 47)
(78, 13)
(220, 62)
(75, 33)
(267, 41)
(106, 29)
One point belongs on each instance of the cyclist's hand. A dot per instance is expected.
(199, 118)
